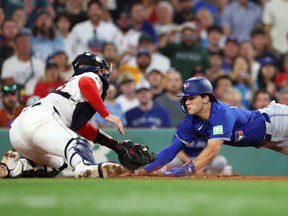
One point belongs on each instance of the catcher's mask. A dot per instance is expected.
(89, 62)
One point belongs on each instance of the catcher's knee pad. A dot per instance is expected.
(79, 150)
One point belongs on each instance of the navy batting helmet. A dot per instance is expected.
(88, 62)
(195, 86)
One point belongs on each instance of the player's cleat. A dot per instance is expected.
(4, 172)
(102, 170)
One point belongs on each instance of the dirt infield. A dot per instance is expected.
(209, 177)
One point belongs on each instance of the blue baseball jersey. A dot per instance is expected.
(157, 117)
(236, 126)
(195, 147)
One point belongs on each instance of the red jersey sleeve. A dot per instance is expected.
(88, 131)
(90, 91)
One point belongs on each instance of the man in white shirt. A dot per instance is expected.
(127, 99)
(22, 68)
(92, 34)
(275, 18)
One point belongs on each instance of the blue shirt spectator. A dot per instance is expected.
(239, 19)
(147, 115)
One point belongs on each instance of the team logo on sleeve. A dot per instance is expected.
(239, 136)
(217, 130)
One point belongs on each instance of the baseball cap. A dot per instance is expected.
(125, 77)
(142, 85)
(232, 39)
(267, 61)
(51, 64)
(145, 38)
(282, 79)
(154, 70)
(143, 51)
(188, 25)
(9, 89)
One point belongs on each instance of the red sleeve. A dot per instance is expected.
(90, 91)
(41, 90)
(88, 131)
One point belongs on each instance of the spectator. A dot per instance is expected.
(274, 17)
(129, 37)
(10, 108)
(113, 108)
(63, 23)
(158, 60)
(139, 22)
(247, 50)
(221, 84)
(76, 11)
(169, 99)
(260, 43)
(184, 13)
(282, 78)
(127, 99)
(232, 97)
(143, 61)
(164, 18)
(220, 5)
(147, 115)
(239, 18)
(205, 21)
(261, 99)
(22, 68)
(19, 16)
(242, 79)
(187, 56)
(45, 42)
(214, 37)
(230, 51)
(110, 53)
(282, 96)
(155, 79)
(94, 33)
(215, 70)
(7, 44)
(267, 74)
(50, 81)
(65, 68)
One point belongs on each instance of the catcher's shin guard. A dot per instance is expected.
(78, 151)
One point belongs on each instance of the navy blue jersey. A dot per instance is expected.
(156, 117)
(236, 126)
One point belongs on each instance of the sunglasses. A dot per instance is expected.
(9, 89)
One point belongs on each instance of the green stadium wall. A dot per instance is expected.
(245, 161)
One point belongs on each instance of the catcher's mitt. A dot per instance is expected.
(133, 155)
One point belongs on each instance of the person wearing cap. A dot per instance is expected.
(158, 60)
(23, 69)
(127, 99)
(147, 114)
(44, 40)
(188, 55)
(155, 78)
(267, 74)
(230, 52)
(10, 105)
(50, 81)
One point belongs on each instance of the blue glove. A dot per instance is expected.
(186, 169)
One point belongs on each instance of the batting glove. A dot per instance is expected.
(186, 169)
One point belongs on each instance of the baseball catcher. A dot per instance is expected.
(47, 133)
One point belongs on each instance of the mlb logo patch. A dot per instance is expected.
(185, 86)
(239, 135)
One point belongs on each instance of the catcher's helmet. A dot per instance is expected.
(88, 62)
(195, 86)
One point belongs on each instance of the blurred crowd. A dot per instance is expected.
(153, 46)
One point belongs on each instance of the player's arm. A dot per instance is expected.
(203, 159)
(90, 91)
(165, 156)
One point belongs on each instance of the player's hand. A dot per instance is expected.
(115, 120)
(185, 170)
